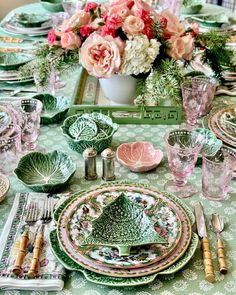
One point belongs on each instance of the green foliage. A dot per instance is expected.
(48, 58)
(162, 86)
(216, 53)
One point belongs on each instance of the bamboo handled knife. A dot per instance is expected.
(205, 245)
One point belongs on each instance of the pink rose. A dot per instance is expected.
(52, 37)
(107, 31)
(195, 29)
(114, 21)
(139, 4)
(85, 30)
(120, 8)
(133, 25)
(79, 19)
(70, 40)
(90, 6)
(181, 47)
(101, 56)
(174, 27)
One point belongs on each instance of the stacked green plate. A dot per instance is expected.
(78, 220)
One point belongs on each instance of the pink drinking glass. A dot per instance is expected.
(183, 147)
(193, 95)
(208, 86)
(10, 149)
(217, 173)
(31, 110)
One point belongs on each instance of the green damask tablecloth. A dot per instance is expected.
(190, 280)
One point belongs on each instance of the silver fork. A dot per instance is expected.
(46, 217)
(30, 218)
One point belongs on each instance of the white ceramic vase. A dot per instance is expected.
(120, 90)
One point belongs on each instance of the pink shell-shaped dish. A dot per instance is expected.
(140, 156)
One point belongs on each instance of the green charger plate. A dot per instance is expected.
(96, 278)
(31, 20)
(12, 61)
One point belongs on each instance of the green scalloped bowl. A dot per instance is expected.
(54, 107)
(52, 5)
(45, 172)
(99, 144)
(12, 61)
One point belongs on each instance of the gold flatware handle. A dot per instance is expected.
(207, 260)
(36, 254)
(11, 50)
(22, 252)
(8, 39)
(221, 256)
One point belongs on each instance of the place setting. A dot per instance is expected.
(28, 24)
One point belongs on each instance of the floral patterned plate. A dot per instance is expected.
(212, 123)
(96, 278)
(226, 121)
(72, 227)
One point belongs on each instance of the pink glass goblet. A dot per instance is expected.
(217, 173)
(193, 97)
(31, 110)
(10, 149)
(71, 6)
(206, 85)
(183, 147)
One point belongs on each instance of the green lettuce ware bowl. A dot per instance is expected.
(89, 130)
(194, 9)
(52, 5)
(12, 61)
(45, 172)
(54, 107)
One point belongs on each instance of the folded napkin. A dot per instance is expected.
(51, 274)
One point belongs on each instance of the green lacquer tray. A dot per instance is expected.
(96, 278)
(87, 98)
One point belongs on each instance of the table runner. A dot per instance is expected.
(190, 280)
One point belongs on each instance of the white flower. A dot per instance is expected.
(78, 283)
(114, 292)
(189, 274)
(205, 286)
(156, 286)
(139, 54)
(91, 292)
(230, 287)
(180, 285)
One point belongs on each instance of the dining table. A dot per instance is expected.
(190, 280)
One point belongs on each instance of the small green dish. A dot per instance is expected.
(45, 172)
(212, 21)
(12, 61)
(54, 108)
(78, 133)
(29, 20)
(52, 5)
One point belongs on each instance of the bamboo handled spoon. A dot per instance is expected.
(217, 226)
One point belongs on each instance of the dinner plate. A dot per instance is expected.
(144, 196)
(212, 123)
(222, 116)
(11, 61)
(30, 20)
(96, 278)
(164, 218)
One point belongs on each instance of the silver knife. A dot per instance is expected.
(205, 245)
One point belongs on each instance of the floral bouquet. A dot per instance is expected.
(128, 37)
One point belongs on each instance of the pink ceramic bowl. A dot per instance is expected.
(140, 156)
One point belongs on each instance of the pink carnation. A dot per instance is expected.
(195, 29)
(70, 40)
(114, 21)
(105, 30)
(90, 6)
(148, 31)
(52, 37)
(144, 15)
(85, 30)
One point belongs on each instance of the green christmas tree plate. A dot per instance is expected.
(172, 218)
(96, 278)
(123, 224)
